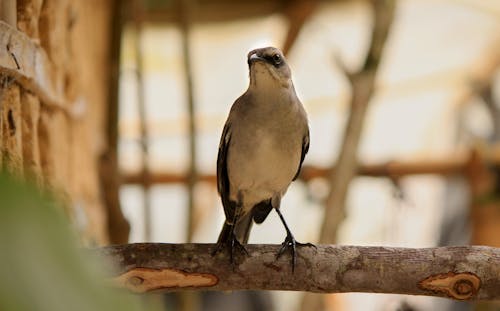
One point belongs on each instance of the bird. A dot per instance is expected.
(262, 147)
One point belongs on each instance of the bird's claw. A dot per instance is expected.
(291, 243)
(231, 243)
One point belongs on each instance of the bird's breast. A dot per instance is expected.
(262, 164)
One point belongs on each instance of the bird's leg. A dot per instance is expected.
(228, 239)
(233, 241)
(223, 238)
(289, 242)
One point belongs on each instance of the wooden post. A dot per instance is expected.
(138, 13)
(185, 8)
(118, 227)
(189, 301)
(362, 84)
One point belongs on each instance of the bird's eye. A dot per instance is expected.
(277, 59)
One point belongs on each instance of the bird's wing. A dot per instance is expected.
(222, 174)
(305, 149)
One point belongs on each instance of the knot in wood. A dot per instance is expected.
(464, 287)
(135, 280)
(459, 286)
(142, 280)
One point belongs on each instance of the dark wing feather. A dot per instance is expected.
(261, 210)
(241, 229)
(305, 149)
(222, 174)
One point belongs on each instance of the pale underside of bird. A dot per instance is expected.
(263, 145)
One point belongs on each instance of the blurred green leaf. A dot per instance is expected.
(41, 267)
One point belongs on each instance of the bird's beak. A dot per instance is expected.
(252, 58)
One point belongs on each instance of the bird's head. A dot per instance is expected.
(268, 67)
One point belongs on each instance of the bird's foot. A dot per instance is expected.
(230, 243)
(292, 244)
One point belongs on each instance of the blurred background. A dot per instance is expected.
(118, 106)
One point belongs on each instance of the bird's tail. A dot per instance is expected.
(241, 230)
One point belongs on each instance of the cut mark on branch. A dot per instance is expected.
(460, 286)
(141, 280)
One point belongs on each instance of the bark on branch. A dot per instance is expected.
(27, 63)
(464, 273)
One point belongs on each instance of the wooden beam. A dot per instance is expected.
(166, 178)
(217, 11)
(396, 169)
(456, 164)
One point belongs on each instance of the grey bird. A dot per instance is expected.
(263, 145)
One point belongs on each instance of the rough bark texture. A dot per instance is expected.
(53, 96)
(8, 11)
(28, 64)
(11, 128)
(28, 12)
(463, 273)
(90, 79)
(30, 112)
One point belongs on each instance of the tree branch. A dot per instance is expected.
(363, 86)
(463, 273)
